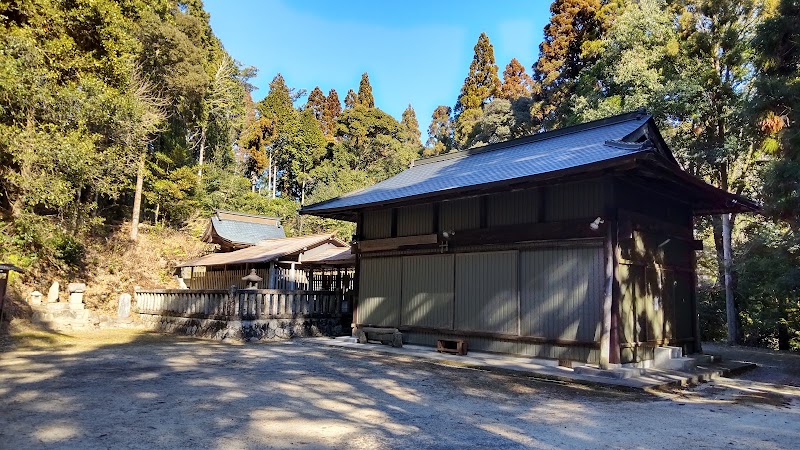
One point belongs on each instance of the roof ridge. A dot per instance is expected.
(236, 213)
(558, 132)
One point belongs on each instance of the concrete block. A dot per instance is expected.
(662, 355)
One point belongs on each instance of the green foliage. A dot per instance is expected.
(480, 86)
(711, 309)
(500, 121)
(351, 100)
(776, 109)
(440, 132)
(364, 97)
(316, 103)
(569, 41)
(372, 141)
(769, 287)
(330, 114)
(637, 66)
(411, 127)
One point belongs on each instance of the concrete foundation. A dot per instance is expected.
(245, 330)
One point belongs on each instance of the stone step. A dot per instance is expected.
(705, 359)
(618, 372)
(349, 339)
(683, 363)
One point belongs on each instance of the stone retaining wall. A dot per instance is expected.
(250, 330)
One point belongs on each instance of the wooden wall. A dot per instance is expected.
(552, 294)
(547, 294)
(655, 273)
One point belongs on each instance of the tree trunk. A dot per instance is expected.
(269, 176)
(137, 199)
(730, 305)
(275, 181)
(202, 152)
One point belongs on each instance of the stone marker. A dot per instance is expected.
(52, 294)
(76, 291)
(124, 307)
(36, 298)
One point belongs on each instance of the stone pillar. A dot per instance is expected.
(36, 298)
(76, 291)
(52, 294)
(124, 307)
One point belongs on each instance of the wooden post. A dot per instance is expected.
(605, 338)
(271, 282)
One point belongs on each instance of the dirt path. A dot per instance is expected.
(129, 390)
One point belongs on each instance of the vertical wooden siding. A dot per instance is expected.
(462, 214)
(512, 208)
(561, 293)
(377, 224)
(379, 291)
(486, 292)
(578, 200)
(428, 291)
(414, 220)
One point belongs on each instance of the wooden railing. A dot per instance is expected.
(245, 304)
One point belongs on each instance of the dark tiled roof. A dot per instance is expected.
(265, 251)
(9, 267)
(566, 148)
(245, 232)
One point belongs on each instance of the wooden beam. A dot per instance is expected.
(501, 336)
(374, 245)
(648, 223)
(573, 229)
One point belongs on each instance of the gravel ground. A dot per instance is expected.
(135, 390)
(773, 366)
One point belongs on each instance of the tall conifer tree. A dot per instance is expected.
(440, 132)
(365, 97)
(516, 83)
(575, 26)
(350, 100)
(481, 84)
(333, 108)
(316, 103)
(411, 125)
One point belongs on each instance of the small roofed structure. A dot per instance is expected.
(234, 230)
(575, 244)
(286, 263)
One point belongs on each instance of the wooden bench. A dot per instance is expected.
(391, 336)
(455, 346)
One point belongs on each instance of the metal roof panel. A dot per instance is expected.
(536, 155)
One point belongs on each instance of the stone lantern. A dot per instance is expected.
(252, 279)
(36, 298)
(76, 291)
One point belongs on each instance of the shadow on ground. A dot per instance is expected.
(141, 390)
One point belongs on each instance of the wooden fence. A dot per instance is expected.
(244, 304)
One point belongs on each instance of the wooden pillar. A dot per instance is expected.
(605, 337)
(292, 277)
(271, 282)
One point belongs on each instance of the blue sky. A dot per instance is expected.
(415, 52)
